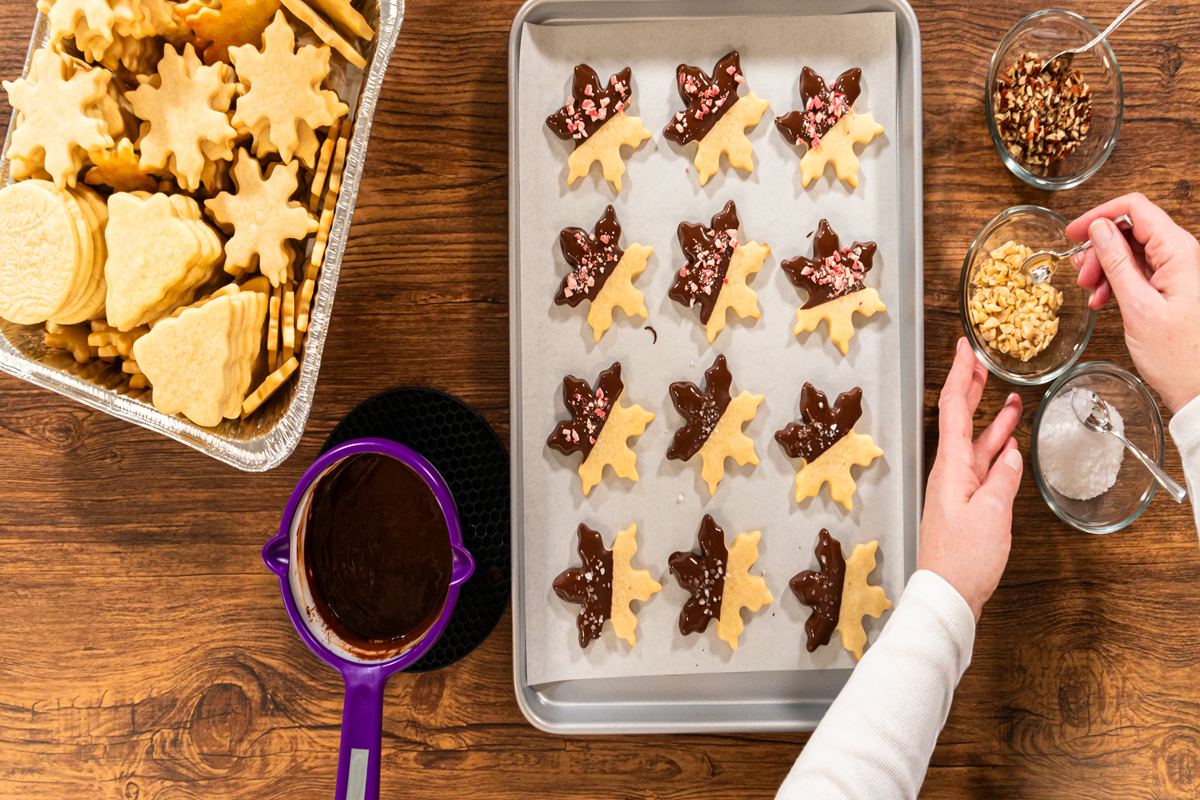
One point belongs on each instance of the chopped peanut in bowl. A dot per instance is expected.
(1011, 316)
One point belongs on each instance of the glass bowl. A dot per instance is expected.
(1048, 33)
(1040, 229)
(1135, 486)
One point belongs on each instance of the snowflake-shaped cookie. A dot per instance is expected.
(602, 272)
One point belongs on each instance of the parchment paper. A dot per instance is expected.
(660, 190)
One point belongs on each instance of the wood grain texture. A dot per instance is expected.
(144, 652)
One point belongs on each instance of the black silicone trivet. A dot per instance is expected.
(473, 462)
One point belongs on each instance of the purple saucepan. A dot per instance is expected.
(362, 713)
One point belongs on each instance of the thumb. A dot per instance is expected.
(1000, 487)
(1132, 290)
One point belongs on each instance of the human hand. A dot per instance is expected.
(1157, 285)
(966, 529)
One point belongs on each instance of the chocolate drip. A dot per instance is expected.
(708, 252)
(822, 426)
(376, 552)
(706, 99)
(822, 106)
(592, 258)
(593, 103)
(833, 271)
(589, 585)
(822, 590)
(589, 411)
(702, 410)
(703, 576)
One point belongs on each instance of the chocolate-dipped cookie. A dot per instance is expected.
(719, 582)
(828, 125)
(714, 277)
(715, 116)
(714, 423)
(599, 426)
(826, 441)
(601, 272)
(833, 279)
(595, 120)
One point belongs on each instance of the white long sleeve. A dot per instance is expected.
(876, 739)
(1185, 431)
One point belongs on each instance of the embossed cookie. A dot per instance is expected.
(714, 423)
(601, 272)
(605, 585)
(720, 582)
(839, 594)
(828, 124)
(716, 271)
(715, 117)
(599, 427)
(826, 441)
(833, 278)
(596, 121)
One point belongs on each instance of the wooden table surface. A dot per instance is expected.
(144, 652)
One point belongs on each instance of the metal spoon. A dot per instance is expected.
(1041, 265)
(1134, 7)
(1095, 412)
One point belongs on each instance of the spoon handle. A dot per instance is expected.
(1164, 480)
(1134, 7)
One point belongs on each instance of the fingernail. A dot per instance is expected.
(1101, 232)
(1012, 458)
(1077, 261)
(1012, 398)
(962, 343)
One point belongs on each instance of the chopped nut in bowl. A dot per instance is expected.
(1025, 334)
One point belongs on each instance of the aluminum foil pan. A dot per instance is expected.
(266, 439)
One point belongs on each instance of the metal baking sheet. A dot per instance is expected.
(761, 701)
(266, 439)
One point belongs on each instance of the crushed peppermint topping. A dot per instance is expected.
(593, 104)
(707, 99)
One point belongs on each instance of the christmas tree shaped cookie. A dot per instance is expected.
(599, 427)
(605, 585)
(826, 441)
(714, 423)
(828, 124)
(717, 269)
(839, 594)
(601, 272)
(833, 278)
(715, 116)
(595, 120)
(720, 582)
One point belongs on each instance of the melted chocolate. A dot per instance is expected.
(593, 103)
(703, 576)
(822, 426)
(822, 590)
(589, 411)
(708, 252)
(376, 552)
(822, 106)
(833, 271)
(655, 340)
(706, 99)
(589, 585)
(592, 258)
(702, 410)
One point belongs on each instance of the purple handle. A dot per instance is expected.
(362, 732)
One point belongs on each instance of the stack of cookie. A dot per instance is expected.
(115, 32)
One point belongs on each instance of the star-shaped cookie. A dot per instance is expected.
(826, 441)
(717, 269)
(599, 427)
(186, 109)
(714, 423)
(828, 124)
(715, 116)
(231, 23)
(602, 272)
(720, 582)
(595, 119)
(840, 595)
(262, 218)
(605, 585)
(283, 93)
(833, 278)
